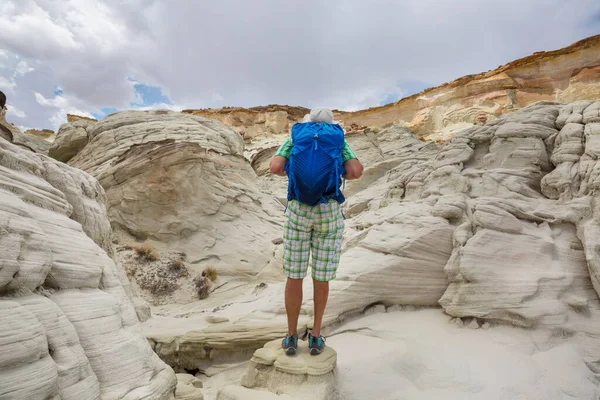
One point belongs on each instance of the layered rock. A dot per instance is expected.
(271, 372)
(46, 134)
(71, 138)
(182, 183)
(33, 143)
(69, 328)
(568, 74)
(496, 225)
(188, 388)
(256, 121)
(439, 113)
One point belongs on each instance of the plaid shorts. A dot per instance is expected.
(312, 231)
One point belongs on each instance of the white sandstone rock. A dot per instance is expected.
(183, 182)
(68, 328)
(70, 139)
(298, 376)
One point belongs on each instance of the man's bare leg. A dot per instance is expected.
(293, 303)
(321, 293)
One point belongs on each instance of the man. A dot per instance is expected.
(314, 221)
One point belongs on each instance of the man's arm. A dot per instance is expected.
(354, 169)
(277, 164)
(352, 166)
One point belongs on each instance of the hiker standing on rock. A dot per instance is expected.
(315, 158)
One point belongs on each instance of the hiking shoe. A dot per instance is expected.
(316, 344)
(290, 344)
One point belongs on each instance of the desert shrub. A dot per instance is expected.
(146, 252)
(177, 264)
(210, 273)
(203, 286)
(158, 286)
(130, 269)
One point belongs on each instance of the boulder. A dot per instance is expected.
(181, 181)
(188, 388)
(271, 372)
(70, 139)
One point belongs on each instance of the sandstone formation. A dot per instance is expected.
(566, 75)
(46, 134)
(70, 139)
(32, 143)
(496, 226)
(256, 121)
(75, 118)
(181, 182)
(299, 377)
(188, 388)
(69, 327)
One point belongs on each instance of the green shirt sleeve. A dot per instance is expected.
(347, 152)
(286, 148)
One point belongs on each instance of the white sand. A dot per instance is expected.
(420, 355)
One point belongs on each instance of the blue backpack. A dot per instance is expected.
(315, 166)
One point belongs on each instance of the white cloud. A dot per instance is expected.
(62, 106)
(22, 69)
(15, 112)
(349, 55)
(7, 85)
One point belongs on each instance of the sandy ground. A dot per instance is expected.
(422, 355)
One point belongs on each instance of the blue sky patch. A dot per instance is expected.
(104, 112)
(149, 95)
(146, 95)
(58, 91)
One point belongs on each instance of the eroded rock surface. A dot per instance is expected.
(297, 377)
(69, 328)
(181, 181)
(497, 224)
(33, 143)
(70, 139)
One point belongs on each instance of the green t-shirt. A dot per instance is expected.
(286, 148)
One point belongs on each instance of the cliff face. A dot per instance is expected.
(565, 75)
(256, 121)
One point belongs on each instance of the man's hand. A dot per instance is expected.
(277, 165)
(354, 169)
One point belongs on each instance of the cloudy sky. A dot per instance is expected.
(94, 57)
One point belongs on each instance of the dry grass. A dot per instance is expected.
(211, 273)
(146, 252)
(203, 286)
(177, 264)
(158, 287)
(131, 269)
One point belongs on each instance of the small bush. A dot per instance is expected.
(177, 264)
(210, 273)
(130, 269)
(203, 286)
(159, 287)
(146, 252)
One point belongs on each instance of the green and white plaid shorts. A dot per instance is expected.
(312, 230)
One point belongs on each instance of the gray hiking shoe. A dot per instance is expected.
(290, 344)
